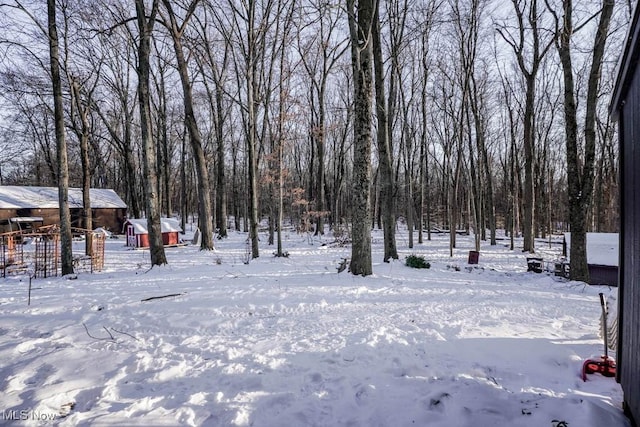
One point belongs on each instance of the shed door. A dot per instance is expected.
(131, 236)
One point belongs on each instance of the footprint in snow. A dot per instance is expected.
(436, 403)
(41, 375)
(362, 395)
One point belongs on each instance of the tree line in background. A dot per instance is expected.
(453, 114)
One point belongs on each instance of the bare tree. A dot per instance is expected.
(319, 54)
(61, 144)
(426, 18)
(116, 108)
(162, 128)
(361, 21)
(339, 136)
(278, 135)
(214, 69)
(204, 191)
(384, 146)
(249, 31)
(511, 174)
(528, 40)
(580, 171)
(81, 65)
(150, 180)
(83, 131)
(447, 126)
(251, 58)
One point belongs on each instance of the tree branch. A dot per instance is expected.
(163, 296)
(111, 338)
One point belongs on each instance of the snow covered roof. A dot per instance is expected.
(602, 248)
(168, 225)
(16, 197)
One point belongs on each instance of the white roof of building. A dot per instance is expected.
(16, 197)
(168, 225)
(602, 248)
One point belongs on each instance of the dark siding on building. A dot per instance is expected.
(603, 275)
(626, 107)
(630, 271)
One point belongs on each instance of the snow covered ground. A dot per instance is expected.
(290, 342)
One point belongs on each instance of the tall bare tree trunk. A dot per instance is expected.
(195, 138)
(83, 134)
(221, 206)
(580, 172)
(408, 183)
(385, 174)
(529, 143)
(184, 212)
(360, 27)
(235, 185)
(61, 144)
(252, 155)
(424, 143)
(280, 170)
(320, 143)
(513, 182)
(491, 208)
(280, 137)
(162, 143)
(422, 189)
(152, 202)
(528, 19)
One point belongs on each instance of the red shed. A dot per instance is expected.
(138, 234)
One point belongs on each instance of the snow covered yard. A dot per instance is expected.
(290, 342)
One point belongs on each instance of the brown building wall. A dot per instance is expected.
(7, 213)
(49, 216)
(111, 219)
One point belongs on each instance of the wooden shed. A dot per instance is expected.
(625, 108)
(107, 208)
(138, 233)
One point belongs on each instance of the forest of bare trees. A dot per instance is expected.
(315, 115)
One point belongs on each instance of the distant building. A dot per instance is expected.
(602, 257)
(625, 108)
(40, 204)
(138, 234)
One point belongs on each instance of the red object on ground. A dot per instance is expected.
(605, 366)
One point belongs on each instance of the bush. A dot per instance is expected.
(415, 261)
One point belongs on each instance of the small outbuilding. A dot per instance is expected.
(18, 204)
(602, 257)
(138, 234)
(625, 108)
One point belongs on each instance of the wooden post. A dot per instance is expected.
(45, 257)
